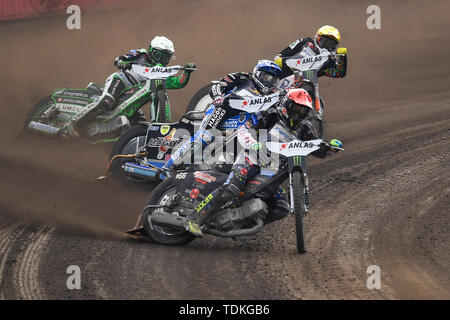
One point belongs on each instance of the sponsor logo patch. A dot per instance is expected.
(158, 142)
(216, 116)
(72, 93)
(194, 193)
(69, 108)
(204, 176)
(204, 202)
(299, 144)
(72, 101)
(165, 129)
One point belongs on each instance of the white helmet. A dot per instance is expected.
(161, 50)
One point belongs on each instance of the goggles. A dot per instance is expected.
(327, 43)
(161, 56)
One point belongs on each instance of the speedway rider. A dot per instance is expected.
(160, 51)
(327, 37)
(295, 111)
(261, 82)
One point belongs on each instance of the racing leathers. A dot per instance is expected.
(334, 68)
(216, 114)
(246, 166)
(122, 81)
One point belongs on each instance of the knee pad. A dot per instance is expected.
(235, 182)
(107, 102)
(232, 189)
(114, 85)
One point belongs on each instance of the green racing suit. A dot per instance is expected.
(125, 80)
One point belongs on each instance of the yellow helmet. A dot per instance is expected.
(328, 37)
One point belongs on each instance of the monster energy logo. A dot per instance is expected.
(156, 83)
(297, 161)
(309, 75)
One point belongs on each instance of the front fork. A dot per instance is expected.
(291, 193)
(306, 202)
(154, 110)
(306, 192)
(157, 86)
(300, 163)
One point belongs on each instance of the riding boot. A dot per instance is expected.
(107, 101)
(278, 206)
(92, 110)
(211, 203)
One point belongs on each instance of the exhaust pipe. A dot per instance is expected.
(43, 128)
(168, 220)
(238, 233)
(139, 171)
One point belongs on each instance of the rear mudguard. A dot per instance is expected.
(71, 101)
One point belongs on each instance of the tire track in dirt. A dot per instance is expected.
(10, 233)
(21, 250)
(151, 271)
(26, 274)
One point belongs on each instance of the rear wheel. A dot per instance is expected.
(299, 209)
(128, 144)
(41, 112)
(318, 128)
(162, 234)
(200, 100)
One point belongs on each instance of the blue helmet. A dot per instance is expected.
(266, 74)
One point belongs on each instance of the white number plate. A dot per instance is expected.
(155, 72)
(294, 147)
(255, 103)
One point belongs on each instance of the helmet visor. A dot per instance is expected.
(297, 113)
(327, 43)
(267, 79)
(162, 57)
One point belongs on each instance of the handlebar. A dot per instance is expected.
(178, 68)
(331, 147)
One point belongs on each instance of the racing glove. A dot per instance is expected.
(123, 65)
(325, 147)
(218, 101)
(263, 154)
(336, 143)
(190, 65)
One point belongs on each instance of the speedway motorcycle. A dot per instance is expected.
(50, 114)
(164, 216)
(143, 150)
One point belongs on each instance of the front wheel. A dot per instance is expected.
(298, 193)
(129, 143)
(161, 234)
(200, 100)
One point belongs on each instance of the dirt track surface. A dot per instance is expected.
(384, 201)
